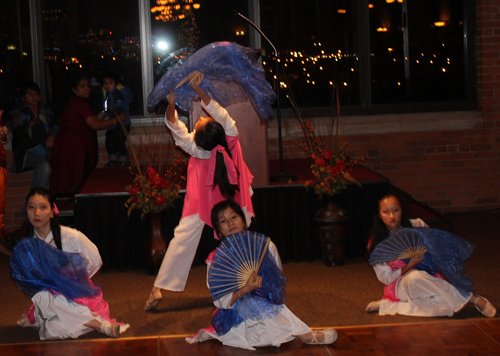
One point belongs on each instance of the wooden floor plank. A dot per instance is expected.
(491, 327)
(95, 347)
(174, 347)
(443, 338)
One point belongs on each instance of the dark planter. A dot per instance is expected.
(156, 243)
(332, 223)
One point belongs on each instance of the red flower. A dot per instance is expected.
(159, 200)
(328, 154)
(320, 162)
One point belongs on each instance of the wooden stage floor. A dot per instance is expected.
(454, 337)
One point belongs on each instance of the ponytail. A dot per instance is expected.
(221, 178)
(207, 138)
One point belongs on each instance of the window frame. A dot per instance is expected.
(364, 108)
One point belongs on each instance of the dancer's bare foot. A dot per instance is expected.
(154, 298)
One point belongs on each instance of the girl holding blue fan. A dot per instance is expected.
(254, 315)
(408, 289)
(53, 265)
(216, 172)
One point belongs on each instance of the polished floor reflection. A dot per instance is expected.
(460, 337)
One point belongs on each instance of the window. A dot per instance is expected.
(378, 55)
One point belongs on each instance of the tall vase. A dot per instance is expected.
(332, 223)
(156, 243)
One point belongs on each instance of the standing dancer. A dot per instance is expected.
(216, 172)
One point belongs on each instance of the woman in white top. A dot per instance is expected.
(266, 328)
(56, 315)
(409, 291)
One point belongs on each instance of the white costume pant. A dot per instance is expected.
(174, 269)
(177, 262)
(424, 295)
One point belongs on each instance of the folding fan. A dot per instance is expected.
(236, 258)
(404, 243)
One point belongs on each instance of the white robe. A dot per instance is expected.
(56, 316)
(420, 293)
(250, 334)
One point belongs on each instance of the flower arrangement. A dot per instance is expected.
(152, 193)
(330, 166)
(156, 185)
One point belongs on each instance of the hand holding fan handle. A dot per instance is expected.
(192, 77)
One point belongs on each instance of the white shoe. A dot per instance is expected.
(489, 310)
(330, 336)
(373, 306)
(110, 329)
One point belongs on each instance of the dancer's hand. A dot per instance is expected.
(195, 84)
(171, 98)
(196, 81)
(253, 283)
(415, 260)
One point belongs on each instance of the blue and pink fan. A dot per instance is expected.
(234, 261)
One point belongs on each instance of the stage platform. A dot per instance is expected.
(284, 211)
(459, 337)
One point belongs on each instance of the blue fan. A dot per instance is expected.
(404, 243)
(236, 258)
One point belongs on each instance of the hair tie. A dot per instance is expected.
(232, 173)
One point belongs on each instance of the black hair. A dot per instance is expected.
(55, 227)
(221, 206)
(379, 231)
(76, 80)
(112, 75)
(207, 138)
(29, 86)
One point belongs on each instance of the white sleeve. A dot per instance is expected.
(219, 114)
(385, 274)
(273, 250)
(185, 140)
(418, 223)
(74, 241)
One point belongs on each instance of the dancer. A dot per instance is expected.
(54, 265)
(410, 291)
(246, 319)
(216, 171)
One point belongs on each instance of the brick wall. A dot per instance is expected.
(455, 170)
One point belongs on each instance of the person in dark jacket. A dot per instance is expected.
(33, 132)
